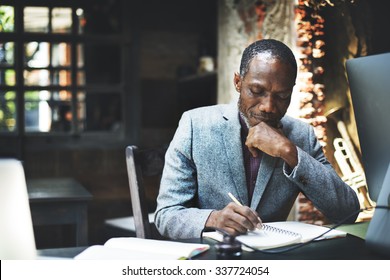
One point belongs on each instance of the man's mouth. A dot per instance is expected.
(268, 119)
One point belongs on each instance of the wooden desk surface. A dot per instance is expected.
(56, 189)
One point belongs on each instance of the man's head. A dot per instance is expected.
(267, 76)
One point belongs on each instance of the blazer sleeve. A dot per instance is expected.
(177, 215)
(317, 179)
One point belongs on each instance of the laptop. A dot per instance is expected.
(16, 234)
(369, 84)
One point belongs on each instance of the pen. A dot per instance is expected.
(235, 200)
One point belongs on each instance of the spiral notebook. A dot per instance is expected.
(279, 234)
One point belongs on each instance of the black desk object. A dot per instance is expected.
(60, 201)
(344, 248)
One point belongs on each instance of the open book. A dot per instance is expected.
(132, 248)
(279, 234)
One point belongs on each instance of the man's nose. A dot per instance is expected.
(267, 104)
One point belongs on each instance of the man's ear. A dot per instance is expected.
(237, 82)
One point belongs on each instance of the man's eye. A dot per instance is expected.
(284, 96)
(256, 92)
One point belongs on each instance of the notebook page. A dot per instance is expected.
(158, 247)
(268, 238)
(308, 231)
(100, 252)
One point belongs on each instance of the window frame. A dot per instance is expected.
(74, 138)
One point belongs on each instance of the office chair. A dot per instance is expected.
(140, 163)
(137, 193)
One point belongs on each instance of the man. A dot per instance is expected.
(264, 158)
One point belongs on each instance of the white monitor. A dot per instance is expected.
(16, 234)
(378, 232)
(369, 82)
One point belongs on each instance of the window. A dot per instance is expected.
(7, 72)
(60, 68)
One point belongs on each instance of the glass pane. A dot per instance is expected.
(81, 111)
(81, 18)
(48, 112)
(103, 112)
(81, 78)
(61, 117)
(43, 78)
(36, 19)
(37, 54)
(34, 95)
(80, 55)
(36, 77)
(61, 77)
(7, 77)
(62, 95)
(61, 20)
(7, 19)
(102, 64)
(61, 54)
(7, 53)
(7, 111)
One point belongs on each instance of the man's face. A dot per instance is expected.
(265, 90)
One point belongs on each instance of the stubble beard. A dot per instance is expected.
(242, 114)
(245, 117)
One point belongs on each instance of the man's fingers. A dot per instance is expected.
(253, 151)
(234, 218)
(246, 217)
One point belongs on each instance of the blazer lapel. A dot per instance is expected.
(266, 169)
(233, 148)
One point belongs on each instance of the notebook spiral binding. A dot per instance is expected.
(278, 230)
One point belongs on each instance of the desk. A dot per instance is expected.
(60, 201)
(346, 248)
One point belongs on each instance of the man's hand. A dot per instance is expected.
(234, 219)
(271, 141)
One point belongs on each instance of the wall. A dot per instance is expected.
(170, 45)
(239, 24)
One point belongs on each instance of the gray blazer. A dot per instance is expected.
(205, 161)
